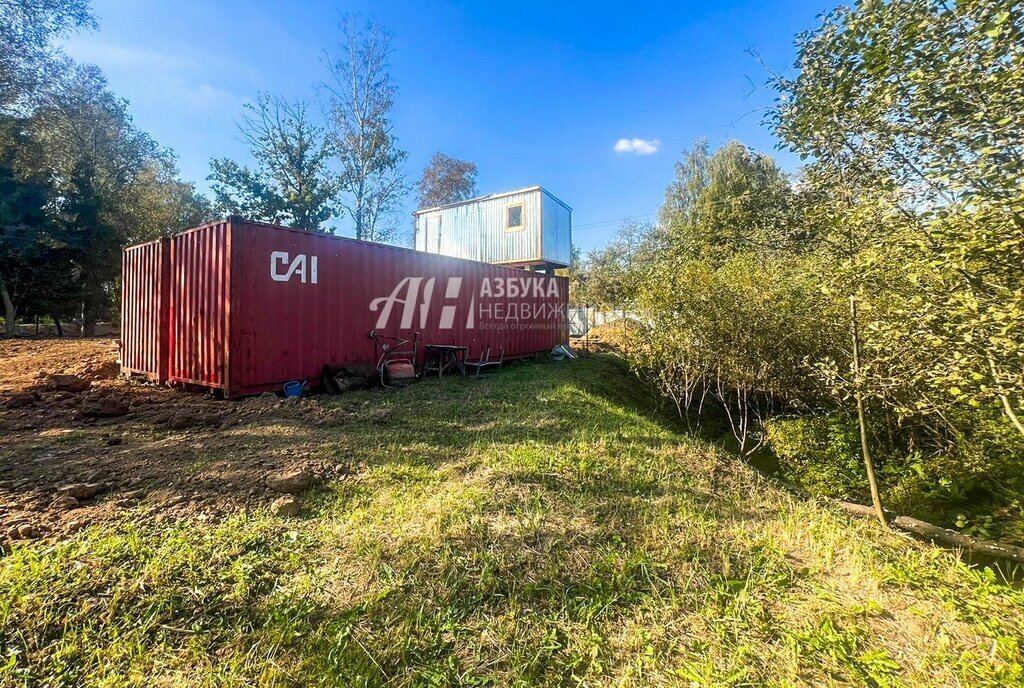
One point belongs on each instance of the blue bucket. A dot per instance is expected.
(294, 388)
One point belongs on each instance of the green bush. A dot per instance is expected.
(820, 453)
(975, 485)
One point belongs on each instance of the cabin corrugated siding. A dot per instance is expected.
(476, 231)
(557, 231)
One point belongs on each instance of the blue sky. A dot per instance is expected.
(533, 92)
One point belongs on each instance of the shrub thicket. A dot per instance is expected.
(912, 113)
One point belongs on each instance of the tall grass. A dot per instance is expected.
(542, 526)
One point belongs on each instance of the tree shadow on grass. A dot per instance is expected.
(557, 531)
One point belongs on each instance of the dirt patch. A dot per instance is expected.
(68, 419)
(25, 363)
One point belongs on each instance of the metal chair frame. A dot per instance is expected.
(485, 361)
(388, 349)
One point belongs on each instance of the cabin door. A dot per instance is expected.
(433, 238)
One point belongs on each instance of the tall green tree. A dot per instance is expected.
(163, 204)
(78, 180)
(25, 232)
(729, 201)
(912, 114)
(292, 182)
(726, 295)
(29, 64)
(360, 97)
(28, 59)
(607, 275)
(96, 161)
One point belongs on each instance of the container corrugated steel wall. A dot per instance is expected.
(144, 309)
(476, 229)
(288, 329)
(252, 306)
(200, 306)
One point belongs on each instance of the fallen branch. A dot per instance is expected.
(935, 534)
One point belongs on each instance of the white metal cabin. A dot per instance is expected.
(527, 228)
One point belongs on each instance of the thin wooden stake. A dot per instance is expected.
(861, 417)
(586, 321)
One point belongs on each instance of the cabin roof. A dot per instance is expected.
(493, 196)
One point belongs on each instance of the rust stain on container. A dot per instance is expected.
(251, 306)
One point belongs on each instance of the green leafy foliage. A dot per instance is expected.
(725, 293)
(604, 278)
(745, 326)
(292, 182)
(34, 251)
(820, 453)
(28, 58)
(735, 200)
(908, 113)
(78, 179)
(911, 112)
(99, 183)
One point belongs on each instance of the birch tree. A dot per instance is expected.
(359, 98)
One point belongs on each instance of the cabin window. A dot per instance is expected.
(514, 217)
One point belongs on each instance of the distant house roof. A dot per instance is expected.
(491, 197)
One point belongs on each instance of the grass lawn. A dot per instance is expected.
(543, 526)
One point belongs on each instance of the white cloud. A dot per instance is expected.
(638, 146)
(201, 97)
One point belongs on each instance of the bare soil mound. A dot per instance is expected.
(69, 420)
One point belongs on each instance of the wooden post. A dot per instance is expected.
(586, 332)
(876, 500)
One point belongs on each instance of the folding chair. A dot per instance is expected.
(485, 361)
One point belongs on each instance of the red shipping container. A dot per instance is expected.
(251, 306)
